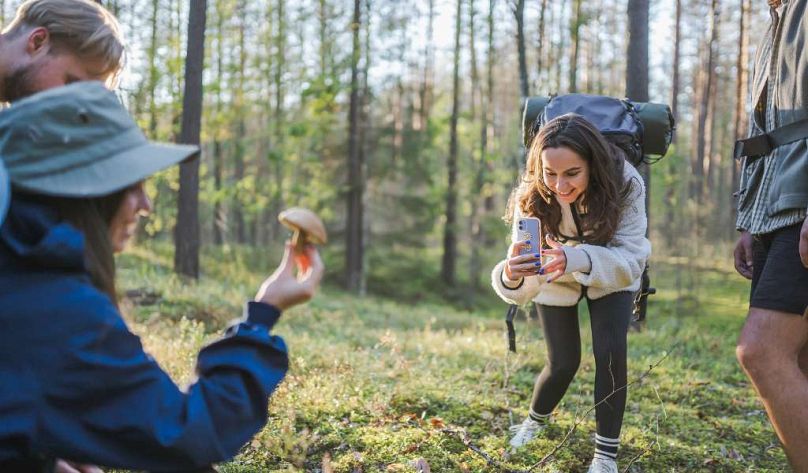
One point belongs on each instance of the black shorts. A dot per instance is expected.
(779, 280)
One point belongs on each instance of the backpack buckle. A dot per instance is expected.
(755, 146)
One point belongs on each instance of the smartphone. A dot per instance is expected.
(529, 228)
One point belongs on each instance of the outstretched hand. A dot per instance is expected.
(284, 289)
(558, 265)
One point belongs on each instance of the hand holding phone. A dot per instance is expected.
(524, 256)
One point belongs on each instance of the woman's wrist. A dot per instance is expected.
(509, 283)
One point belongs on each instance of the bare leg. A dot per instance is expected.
(769, 350)
(803, 360)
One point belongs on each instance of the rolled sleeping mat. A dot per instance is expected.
(657, 120)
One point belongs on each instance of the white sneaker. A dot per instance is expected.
(524, 432)
(600, 465)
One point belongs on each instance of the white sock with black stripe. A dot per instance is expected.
(606, 448)
(542, 419)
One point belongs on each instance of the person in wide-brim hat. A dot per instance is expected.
(73, 166)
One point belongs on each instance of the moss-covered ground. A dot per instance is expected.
(376, 384)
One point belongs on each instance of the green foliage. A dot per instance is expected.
(373, 382)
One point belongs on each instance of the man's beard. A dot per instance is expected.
(19, 84)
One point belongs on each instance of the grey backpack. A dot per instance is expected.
(638, 128)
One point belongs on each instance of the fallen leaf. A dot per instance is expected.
(410, 449)
(437, 422)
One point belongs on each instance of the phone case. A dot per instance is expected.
(529, 228)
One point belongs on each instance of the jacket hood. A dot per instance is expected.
(33, 234)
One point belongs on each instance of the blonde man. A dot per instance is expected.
(55, 42)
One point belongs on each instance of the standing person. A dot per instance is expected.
(56, 42)
(772, 250)
(84, 389)
(591, 204)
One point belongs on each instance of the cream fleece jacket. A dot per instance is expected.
(604, 270)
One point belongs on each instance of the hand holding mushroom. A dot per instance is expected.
(283, 289)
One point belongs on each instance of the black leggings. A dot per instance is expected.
(610, 317)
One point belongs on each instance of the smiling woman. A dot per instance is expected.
(591, 205)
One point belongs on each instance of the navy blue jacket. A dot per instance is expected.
(75, 383)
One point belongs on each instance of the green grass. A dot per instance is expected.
(373, 381)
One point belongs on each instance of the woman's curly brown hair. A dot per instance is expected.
(605, 196)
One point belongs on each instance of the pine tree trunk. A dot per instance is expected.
(280, 97)
(240, 131)
(637, 80)
(219, 215)
(153, 72)
(425, 93)
(740, 120)
(186, 233)
(540, 51)
(354, 234)
(670, 191)
(519, 15)
(575, 46)
(449, 260)
(479, 163)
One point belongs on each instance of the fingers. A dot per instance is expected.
(804, 243)
(517, 247)
(316, 267)
(742, 263)
(286, 266)
(552, 242)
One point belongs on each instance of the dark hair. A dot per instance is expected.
(607, 191)
(92, 217)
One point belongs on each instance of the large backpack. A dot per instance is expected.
(638, 128)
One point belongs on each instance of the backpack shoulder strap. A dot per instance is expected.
(760, 145)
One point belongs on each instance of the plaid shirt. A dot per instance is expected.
(754, 217)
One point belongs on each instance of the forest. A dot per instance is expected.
(399, 122)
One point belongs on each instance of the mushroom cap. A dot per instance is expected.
(298, 218)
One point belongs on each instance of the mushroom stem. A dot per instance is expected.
(298, 240)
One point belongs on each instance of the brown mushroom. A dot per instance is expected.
(306, 225)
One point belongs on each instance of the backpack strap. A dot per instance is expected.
(509, 316)
(760, 145)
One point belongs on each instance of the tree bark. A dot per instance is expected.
(637, 62)
(240, 131)
(637, 81)
(702, 130)
(354, 234)
(280, 97)
(575, 29)
(519, 14)
(219, 216)
(449, 260)
(540, 49)
(186, 233)
(425, 92)
(479, 163)
(742, 70)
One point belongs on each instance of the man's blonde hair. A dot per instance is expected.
(80, 27)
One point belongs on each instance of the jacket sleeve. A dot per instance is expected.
(107, 402)
(621, 262)
(514, 292)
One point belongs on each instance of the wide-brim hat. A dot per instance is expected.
(79, 141)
